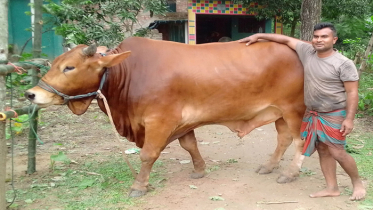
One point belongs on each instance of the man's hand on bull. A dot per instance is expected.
(249, 40)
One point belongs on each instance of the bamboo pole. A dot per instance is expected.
(6, 69)
(31, 165)
(4, 115)
(3, 56)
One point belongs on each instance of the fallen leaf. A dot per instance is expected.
(58, 178)
(193, 187)
(132, 151)
(216, 198)
(184, 161)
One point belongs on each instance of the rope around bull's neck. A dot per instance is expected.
(101, 96)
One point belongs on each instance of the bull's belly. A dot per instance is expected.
(241, 121)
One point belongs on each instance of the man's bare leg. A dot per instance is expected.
(349, 165)
(328, 167)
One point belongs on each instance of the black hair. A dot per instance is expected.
(325, 25)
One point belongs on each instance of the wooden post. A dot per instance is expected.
(4, 115)
(31, 166)
(6, 69)
(3, 56)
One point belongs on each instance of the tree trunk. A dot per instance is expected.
(364, 59)
(3, 56)
(310, 16)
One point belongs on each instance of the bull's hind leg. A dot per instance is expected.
(189, 143)
(284, 139)
(293, 121)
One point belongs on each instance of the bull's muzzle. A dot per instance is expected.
(29, 96)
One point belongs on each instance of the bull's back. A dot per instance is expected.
(217, 76)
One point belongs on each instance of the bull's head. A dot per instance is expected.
(76, 72)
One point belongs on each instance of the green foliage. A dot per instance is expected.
(352, 47)
(60, 157)
(366, 92)
(333, 9)
(366, 102)
(353, 31)
(105, 22)
(20, 124)
(142, 32)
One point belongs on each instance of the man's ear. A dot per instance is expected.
(112, 60)
(335, 39)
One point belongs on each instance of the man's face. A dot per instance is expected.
(323, 40)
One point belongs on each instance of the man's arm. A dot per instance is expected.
(290, 41)
(352, 102)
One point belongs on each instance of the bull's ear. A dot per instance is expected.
(112, 60)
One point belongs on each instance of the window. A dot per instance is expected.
(250, 25)
(171, 5)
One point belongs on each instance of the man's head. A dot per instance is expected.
(324, 37)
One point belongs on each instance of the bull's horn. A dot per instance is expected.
(90, 51)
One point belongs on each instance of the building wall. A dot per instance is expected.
(223, 7)
(181, 5)
(19, 22)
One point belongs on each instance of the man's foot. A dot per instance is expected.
(326, 193)
(359, 192)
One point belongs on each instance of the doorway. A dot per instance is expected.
(210, 28)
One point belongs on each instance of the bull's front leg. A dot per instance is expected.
(189, 143)
(155, 141)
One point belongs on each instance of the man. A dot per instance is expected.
(331, 97)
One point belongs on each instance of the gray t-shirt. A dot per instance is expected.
(323, 78)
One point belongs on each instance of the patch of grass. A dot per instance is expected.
(362, 147)
(212, 168)
(306, 172)
(232, 161)
(94, 184)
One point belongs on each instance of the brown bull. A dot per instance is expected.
(164, 90)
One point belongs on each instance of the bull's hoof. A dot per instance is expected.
(263, 170)
(136, 193)
(197, 175)
(285, 179)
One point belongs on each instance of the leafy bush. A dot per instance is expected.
(104, 22)
(366, 92)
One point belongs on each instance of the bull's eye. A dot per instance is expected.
(68, 68)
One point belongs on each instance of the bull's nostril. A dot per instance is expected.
(30, 96)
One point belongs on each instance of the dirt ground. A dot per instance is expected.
(231, 161)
